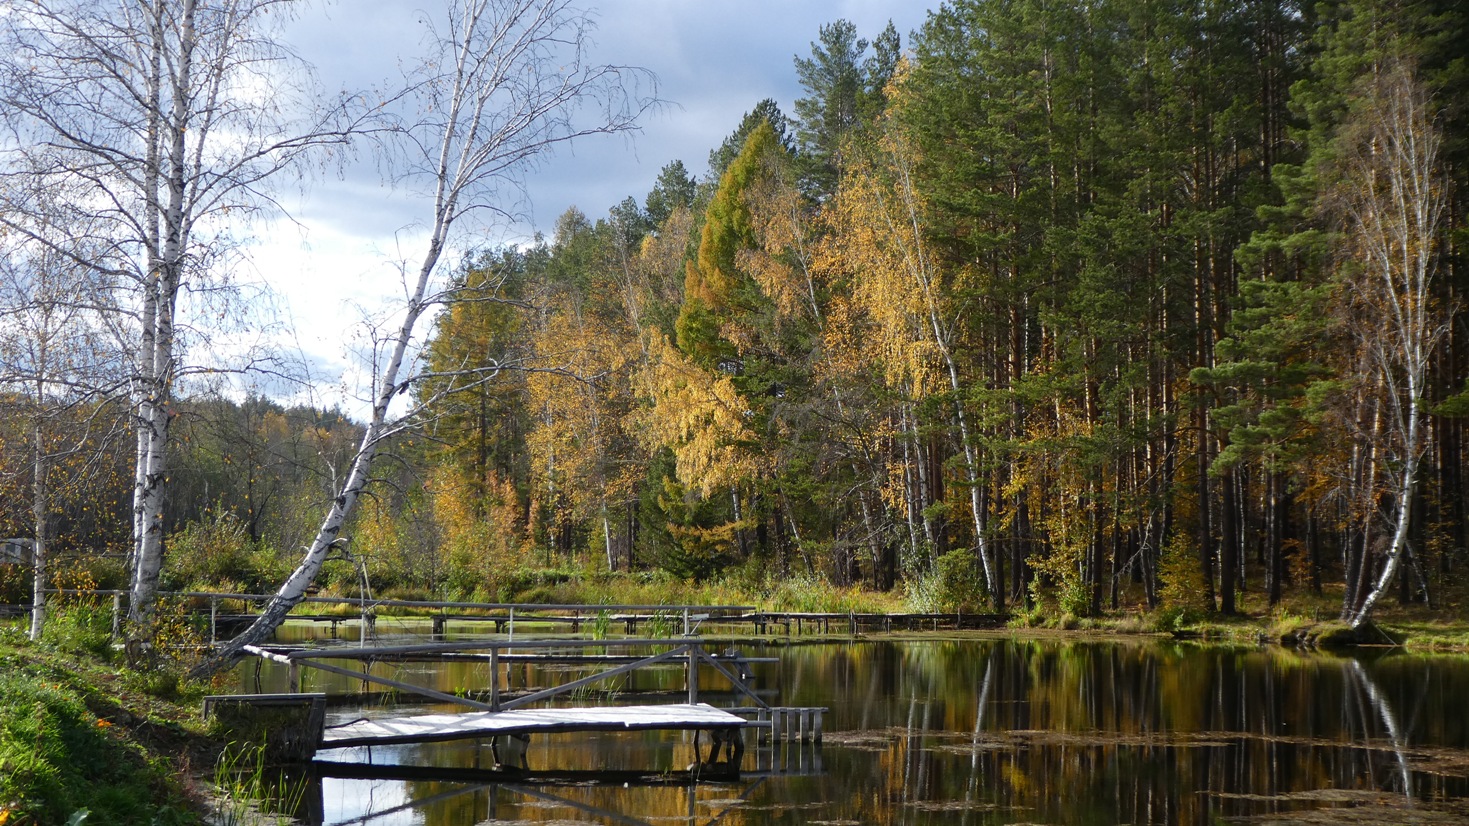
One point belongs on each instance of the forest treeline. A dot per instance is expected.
(1061, 307)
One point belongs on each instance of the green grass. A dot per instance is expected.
(77, 735)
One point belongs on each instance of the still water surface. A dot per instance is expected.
(986, 730)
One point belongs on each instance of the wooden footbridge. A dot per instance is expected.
(508, 719)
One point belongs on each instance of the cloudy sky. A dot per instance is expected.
(336, 262)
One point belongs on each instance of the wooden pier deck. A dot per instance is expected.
(424, 728)
(506, 718)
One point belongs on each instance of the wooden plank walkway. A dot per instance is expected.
(421, 728)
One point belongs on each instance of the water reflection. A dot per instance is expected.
(1004, 731)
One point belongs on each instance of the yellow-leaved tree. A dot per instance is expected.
(903, 298)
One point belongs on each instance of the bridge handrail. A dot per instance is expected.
(410, 603)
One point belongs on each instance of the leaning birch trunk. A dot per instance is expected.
(293, 590)
(1406, 488)
(505, 95)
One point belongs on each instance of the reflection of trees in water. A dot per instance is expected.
(999, 731)
(1132, 732)
(1367, 690)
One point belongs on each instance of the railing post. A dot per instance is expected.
(693, 675)
(686, 621)
(512, 622)
(116, 615)
(362, 632)
(213, 620)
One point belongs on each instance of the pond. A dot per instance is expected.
(982, 730)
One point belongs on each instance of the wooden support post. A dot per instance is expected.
(512, 622)
(686, 623)
(293, 678)
(495, 679)
(437, 627)
(213, 620)
(116, 615)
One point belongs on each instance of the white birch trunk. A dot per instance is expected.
(607, 538)
(1393, 206)
(159, 368)
(38, 516)
(918, 264)
(117, 104)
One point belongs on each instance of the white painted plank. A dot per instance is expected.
(430, 727)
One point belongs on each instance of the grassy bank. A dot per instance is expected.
(1305, 620)
(83, 740)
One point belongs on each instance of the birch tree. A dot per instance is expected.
(166, 122)
(1390, 205)
(505, 83)
(879, 218)
(55, 353)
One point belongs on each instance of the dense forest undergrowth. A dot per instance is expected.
(1115, 310)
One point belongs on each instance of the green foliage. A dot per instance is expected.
(248, 784)
(952, 585)
(1181, 591)
(1266, 371)
(766, 114)
(601, 625)
(217, 554)
(58, 759)
(844, 87)
(674, 188)
(662, 625)
(717, 289)
(79, 628)
(15, 584)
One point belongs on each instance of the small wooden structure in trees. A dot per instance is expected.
(16, 551)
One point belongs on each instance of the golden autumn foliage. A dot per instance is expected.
(699, 415)
(873, 249)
